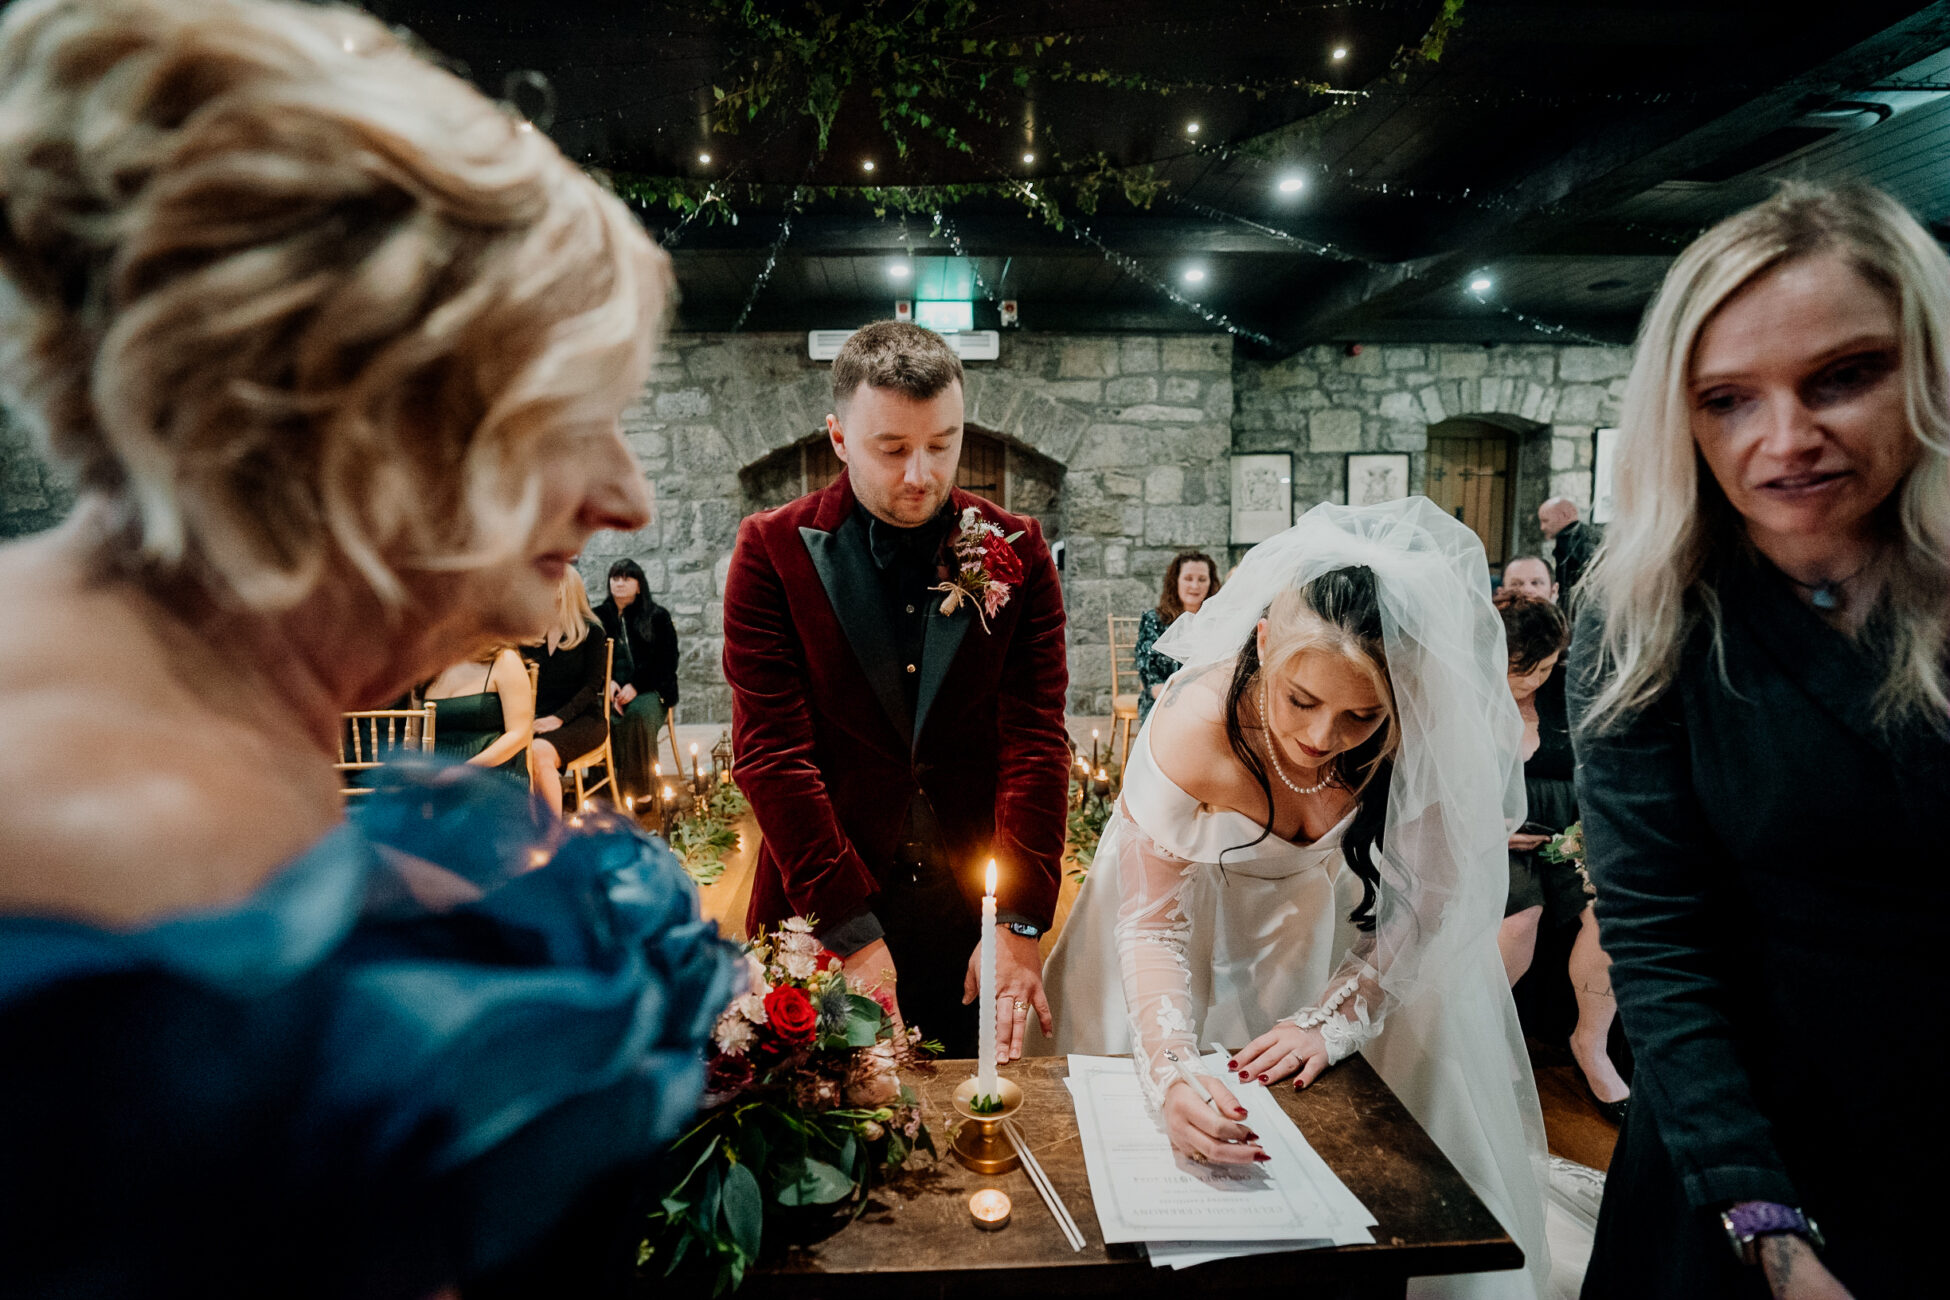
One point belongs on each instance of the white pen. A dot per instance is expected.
(1185, 1073)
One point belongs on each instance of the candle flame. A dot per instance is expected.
(694, 749)
(657, 768)
(1094, 733)
(1102, 775)
(991, 881)
(666, 792)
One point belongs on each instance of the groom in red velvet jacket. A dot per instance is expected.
(890, 749)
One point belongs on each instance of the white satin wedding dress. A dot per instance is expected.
(1166, 949)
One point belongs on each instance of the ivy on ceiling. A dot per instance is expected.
(927, 78)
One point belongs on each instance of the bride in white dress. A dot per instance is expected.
(1367, 638)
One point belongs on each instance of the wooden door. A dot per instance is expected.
(1469, 476)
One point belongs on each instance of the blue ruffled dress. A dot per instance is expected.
(395, 1066)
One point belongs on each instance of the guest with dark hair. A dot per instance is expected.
(1761, 680)
(1545, 896)
(1190, 580)
(1529, 575)
(647, 692)
(570, 693)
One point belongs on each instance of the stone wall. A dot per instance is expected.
(1322, 403)
(1140, 424)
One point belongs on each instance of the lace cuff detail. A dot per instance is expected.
(1344, 1035)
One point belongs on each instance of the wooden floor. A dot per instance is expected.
(1572, 1123)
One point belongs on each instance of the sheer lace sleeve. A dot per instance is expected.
(1428, 913)
(1151, 932)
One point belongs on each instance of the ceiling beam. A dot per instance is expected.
(1553, 200)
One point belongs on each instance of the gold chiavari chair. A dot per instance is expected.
(1123, 674)
(368, 737)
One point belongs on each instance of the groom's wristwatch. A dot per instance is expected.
(1025, 929)
(1749, 1221)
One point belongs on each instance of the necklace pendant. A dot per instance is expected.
(1826, 597)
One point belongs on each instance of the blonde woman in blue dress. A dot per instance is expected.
(1344, 692)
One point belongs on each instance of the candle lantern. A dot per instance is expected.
(722, 757)
(1101, 785)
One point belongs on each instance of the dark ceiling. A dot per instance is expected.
(1561, 151)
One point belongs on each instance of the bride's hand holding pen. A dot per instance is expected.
(1206, 1122)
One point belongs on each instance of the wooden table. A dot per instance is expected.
(916, 1241)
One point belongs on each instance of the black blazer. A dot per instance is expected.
(652, 662)
(1771, 890)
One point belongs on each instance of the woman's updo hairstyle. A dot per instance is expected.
(1534, 629)
(275, 287)
(1338, 613)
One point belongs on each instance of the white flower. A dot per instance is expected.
(796, 925)
(734, 1035)
(799, 942)
(799, 965)
(755, 979)
(751, 1007)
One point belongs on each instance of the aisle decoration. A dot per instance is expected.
(1092, 795)
(702, 840)
(804, 1106)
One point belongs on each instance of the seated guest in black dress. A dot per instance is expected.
(335, 351)
(487, 713)
(1190, 580)
(571, 694)
(1760, 709)
(647, 692)
(1546, 895)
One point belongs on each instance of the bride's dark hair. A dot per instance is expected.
(1341, 611)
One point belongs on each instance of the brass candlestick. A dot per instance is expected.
(978, 1141)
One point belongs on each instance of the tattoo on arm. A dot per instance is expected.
(1181, 681)
(1777, 1257)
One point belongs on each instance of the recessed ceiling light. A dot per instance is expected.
(867, 166)
(1193, 275)
(1340, 51)
(1191, 128)
(1029, 157)
(898, 270)
(704, 157)
(1481, 284)
(1291, 185)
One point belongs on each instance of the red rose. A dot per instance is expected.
(790, 1013)
(1002, 562)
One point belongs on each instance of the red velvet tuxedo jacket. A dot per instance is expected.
(830, 769)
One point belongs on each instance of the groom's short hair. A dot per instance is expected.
(915, 362)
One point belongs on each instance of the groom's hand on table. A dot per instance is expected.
(1279, 1052)
(1018, 990)
(870, 972)
(1211, 1133)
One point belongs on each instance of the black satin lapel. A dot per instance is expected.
(942, 639)
(1837, 675)
(850, 589)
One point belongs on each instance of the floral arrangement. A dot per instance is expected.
(702, 840)
(986, 569)
(1089, 812)
(804, 1104)
(1568, 846)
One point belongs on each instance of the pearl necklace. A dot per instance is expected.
(1273, 746)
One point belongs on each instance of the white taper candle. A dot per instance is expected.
(985, 1071)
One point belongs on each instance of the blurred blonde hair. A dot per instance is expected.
(277, 288)
(1652, 579)
(573, 614)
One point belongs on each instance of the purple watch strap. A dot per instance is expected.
(1758, 1218)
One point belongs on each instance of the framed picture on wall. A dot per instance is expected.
(1604, 448)
(1376, 476)
(1262, 495)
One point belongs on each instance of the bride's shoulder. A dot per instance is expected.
(1188, 734)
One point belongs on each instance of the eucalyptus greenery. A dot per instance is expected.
(702, 841)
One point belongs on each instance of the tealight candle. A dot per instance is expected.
(990, 1209)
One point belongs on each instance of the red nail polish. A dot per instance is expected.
(1251, 1136)
(1232, 1065)
(1264, 1079)
(1244, 1077)
(1262, 1156)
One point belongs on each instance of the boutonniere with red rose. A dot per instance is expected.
(986, 569)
